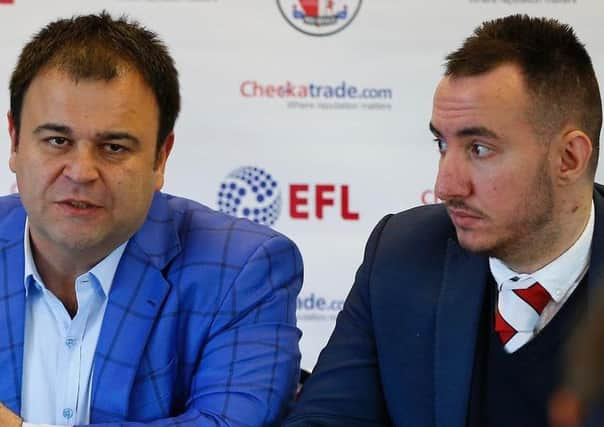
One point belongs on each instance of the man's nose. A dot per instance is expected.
(453, 179)
(82, 163)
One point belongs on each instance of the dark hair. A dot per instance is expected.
(557, 69)
(96, 47)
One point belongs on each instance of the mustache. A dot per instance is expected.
(460, 205)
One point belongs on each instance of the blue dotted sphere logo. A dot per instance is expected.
(252, 193)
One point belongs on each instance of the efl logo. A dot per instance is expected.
(253, 193)
(325, 195)
(319, 17)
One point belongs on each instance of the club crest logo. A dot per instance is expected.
(319, 17)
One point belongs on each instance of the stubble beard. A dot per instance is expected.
(534, 232)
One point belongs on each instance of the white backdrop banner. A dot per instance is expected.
(307, 115)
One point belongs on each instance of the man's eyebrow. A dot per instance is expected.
(469, 131)
(101, 136)
(113, 136)
(434, 130)
(54, 127)
(477, 131)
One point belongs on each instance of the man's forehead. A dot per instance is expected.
(91, 106)
(501, 90)
(484, 104)
(50, 80)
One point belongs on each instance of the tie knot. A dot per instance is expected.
(517, 314)
(535, 295)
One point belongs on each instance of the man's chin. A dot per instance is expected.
(77, 242)
(476, 246)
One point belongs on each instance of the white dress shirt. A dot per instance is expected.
(58, 350)
(560, 277)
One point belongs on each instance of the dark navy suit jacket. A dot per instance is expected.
(200, 324)
(402, 351)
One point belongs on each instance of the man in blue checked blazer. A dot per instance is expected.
(120, 305)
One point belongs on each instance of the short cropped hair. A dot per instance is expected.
(96, 47)
(557, 70)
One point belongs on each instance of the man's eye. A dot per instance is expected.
(480, 150)
(441, 144)
(114, 148)
(57, 141)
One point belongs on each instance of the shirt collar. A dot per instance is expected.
(557, 277)
(103, 272)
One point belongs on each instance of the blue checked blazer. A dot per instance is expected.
(200, 325)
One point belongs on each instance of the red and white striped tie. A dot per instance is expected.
(517, 314)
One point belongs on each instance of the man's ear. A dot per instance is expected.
(14, 141)
(161, 159)
(575, 151)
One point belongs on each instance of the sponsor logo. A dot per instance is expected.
(323, 196)
(7, 1)
(319, 17)
(314, 307)
(343, 95)
(344, 90)
(251, 192)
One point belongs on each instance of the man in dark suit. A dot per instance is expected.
(459, 310)
(119, 304)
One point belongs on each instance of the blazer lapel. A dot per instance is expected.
(595, 276)
(137, 293)
(464, 282)
(12, 307)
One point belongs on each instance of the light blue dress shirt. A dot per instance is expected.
(58, 350)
